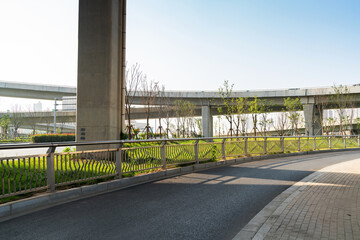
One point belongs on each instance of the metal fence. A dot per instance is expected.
(23, 174)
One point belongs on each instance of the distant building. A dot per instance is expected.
(37, 107)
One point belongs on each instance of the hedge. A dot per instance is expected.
(39, 138)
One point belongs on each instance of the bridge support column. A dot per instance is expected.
(312, 120)
(207, 121)
(101, 70)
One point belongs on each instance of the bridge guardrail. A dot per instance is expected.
(31, 173)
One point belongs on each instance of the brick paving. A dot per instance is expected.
(325, 205)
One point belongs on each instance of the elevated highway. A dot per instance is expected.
(35, 91)
(314, 100)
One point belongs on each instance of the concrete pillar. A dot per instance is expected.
(101, 70)
(207, 121)
(312, 120)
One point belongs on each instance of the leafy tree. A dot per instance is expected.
(342, 100)
(265, 121)
(228, 107)
(241, 109)
(293, 106)
(5, 122)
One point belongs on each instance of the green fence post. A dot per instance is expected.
(299, 145)
(282, 140)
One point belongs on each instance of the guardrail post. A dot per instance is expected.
(196, 150)
(329, 140)
(344, 141)
(358, 137)
(246, 147)
(223, 149)
(314, 144)
(282, 142)
(163, 155)
(265, 145)
(119, 160)
(299, 145)
(50, 169)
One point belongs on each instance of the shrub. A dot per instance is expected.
(69, 149)
(213, 153)
(40, 138)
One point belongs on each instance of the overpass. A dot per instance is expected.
(314, 100)
(44, 120)
(35, 91)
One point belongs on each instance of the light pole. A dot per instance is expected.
(55, 115)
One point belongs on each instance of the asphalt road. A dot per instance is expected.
(211, 204)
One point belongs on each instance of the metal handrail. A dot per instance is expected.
(73, 143)
(20, 174)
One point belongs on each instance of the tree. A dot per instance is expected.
(329, 125)
(5, 122)
(342, 99)
(293, 106)
(133, 78)
(265, 122)
(241, 108)
(33, 118)
(17, 119)
(150, 91)
(183, 110)
(255, 107)
(321, 103)
(281, 123)
(228, 107)
(162, 108)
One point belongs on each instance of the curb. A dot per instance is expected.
(46, 200)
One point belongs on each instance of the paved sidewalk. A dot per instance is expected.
(324, 205)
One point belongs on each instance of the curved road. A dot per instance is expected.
(211, 204)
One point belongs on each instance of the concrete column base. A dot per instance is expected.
(101, 70)
(313, 125)
(207, 121)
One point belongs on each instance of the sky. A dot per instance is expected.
(193, 44)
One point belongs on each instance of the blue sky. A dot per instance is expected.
(195, 44)
(254, 44)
